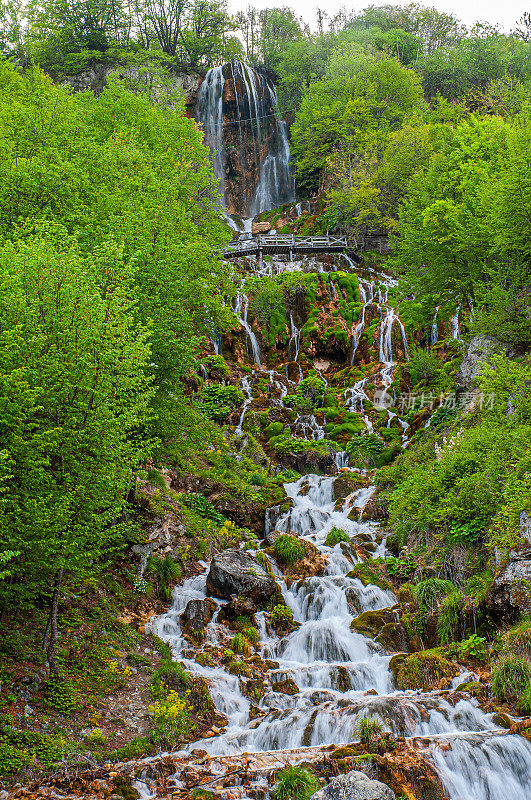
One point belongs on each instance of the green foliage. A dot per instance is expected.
(511, 677)
(281, 617)
(216, 402)
(295, 783)
(335, 536)
(200, 505)
(424, 368)
(474, 647)
(517, 640)
(366, 451)
(430, 592)
(251, 634)
(216, 365)
(166, 572)
(449, 618)
(368, 729)
(274, 429)
(240, 644)
(470, 483)
(401, 568)
(288, 549)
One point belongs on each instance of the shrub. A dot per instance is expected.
(288, 549)
(169, 675)
(227, 656)
(171, 715)
(251, 634)
(369, 728)
(216, 402)
(424, 367)
(430, 592)
(473, 647)
(449, 618)
(517, 640)
(166, 572)
(216, 364)
(511, 678)
(295, 783)
(281, 617)
(96, 738)
(240, 644)
(335, 536)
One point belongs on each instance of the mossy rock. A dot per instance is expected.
(345, 485)
(392, 636)
(369, 623)
(286, 686)
(425, 670)
(502, 719)
(367, 574)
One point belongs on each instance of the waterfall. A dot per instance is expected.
(434, 333)
(241, 308)
(209, 112)
(248, 142)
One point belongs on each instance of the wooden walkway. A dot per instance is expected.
(289, 244)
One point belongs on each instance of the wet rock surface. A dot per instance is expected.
(355, 786)
(198, 614)
(510, 595)
(234, 572)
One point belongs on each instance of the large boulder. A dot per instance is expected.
(354, 785)
(477, 355)
(198, 614)
(235, 572)
(509, 595)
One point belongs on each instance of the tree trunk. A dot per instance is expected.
(51, 625)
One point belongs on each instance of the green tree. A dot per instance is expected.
(74, 398)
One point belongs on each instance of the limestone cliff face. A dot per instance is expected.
(96, 77)
(248, 142)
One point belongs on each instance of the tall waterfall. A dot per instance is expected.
(249, 150)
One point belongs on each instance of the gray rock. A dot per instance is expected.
(525, 526)
(235, 572)
(354, 785)
(477, 355)
(198, 614)
(510, 594)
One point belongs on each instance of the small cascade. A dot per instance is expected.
(454, 323)
(477, 766)
(248, 142)
(294, 341)
(241, 308)
(367, 296)
(434, 333)
(246, 388)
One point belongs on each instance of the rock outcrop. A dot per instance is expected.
(477, 355)
(354, 785)
(510, 593)
(197, 614)
(234, 572)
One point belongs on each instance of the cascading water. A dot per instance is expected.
(334, 667)
(248, 143)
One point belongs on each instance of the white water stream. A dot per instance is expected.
(342, 675)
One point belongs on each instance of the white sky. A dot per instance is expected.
(501, 12)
